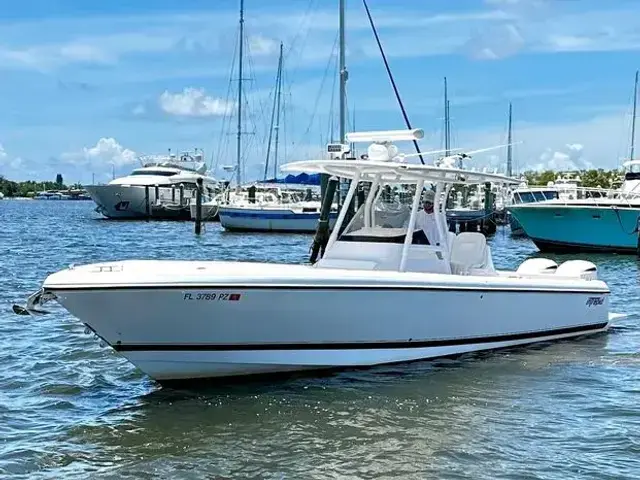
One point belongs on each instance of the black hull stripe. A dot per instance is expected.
(265, 230)
(355, 345)
(567, 247)
(328, 288)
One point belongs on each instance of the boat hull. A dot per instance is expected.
(516, 228)
(216, 331)
(561, 228)
(130, 202)
(271, 220)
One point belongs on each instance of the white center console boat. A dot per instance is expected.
(380, 294)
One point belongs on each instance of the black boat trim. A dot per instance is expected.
(581, 329)
(552, 246)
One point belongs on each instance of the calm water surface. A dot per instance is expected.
(71, 409)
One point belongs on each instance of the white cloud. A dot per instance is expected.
(598, 142)
(193, 102)
(16, 163)
(261, 45)
(499, 29)
(10, 165)
(52, 56)
(499, 41)
(569, 158)
(107, 151)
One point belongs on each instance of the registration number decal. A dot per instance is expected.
(211, 296)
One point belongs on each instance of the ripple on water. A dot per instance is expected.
(71, 409)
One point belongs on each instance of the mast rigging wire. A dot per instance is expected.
(393, 83)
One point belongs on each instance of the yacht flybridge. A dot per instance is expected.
(382, 292)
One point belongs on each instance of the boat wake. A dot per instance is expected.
(617, 316)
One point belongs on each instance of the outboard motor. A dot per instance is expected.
(578, 268)
(537, 266)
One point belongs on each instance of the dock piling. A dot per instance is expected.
(488, 224)
(199, 206)
(147, 203)
(322, 232)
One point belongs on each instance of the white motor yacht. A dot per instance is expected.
(380, 294)
(162, 188)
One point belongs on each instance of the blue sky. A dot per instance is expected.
(87, 87)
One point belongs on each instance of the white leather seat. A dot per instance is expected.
(451, 237)
(470, 255)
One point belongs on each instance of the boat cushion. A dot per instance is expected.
(346, 263)
(470, 254)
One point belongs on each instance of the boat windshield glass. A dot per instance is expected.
(534, 196)
(387, 218)
(632, 172)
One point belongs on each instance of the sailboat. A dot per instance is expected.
(594, 219)
(274, 207)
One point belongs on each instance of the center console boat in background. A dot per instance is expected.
(377, 295)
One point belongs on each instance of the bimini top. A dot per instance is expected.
(386, 164)
(395, 172)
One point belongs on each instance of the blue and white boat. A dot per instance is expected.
(298, 218)
(527, 194)
(596, 220)
(276, 206)
(591, 219)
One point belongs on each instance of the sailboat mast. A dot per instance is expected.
(271, 123)
(509, 150)
(633, 118)
(447, 137)
(239, 132)
(277, 127)
(343, 76)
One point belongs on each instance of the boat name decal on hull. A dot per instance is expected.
(594, 301)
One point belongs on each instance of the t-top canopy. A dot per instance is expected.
(395, 172)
